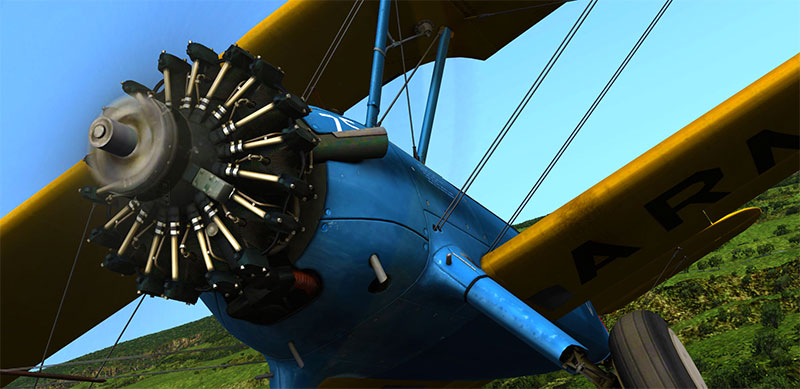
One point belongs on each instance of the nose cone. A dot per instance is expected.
(135, 144)
(112, 136)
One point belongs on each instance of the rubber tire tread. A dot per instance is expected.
(644, 355)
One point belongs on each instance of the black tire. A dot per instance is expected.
(647, 354)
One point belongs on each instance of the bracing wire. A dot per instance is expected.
(405, 77)
(118, 338)
(312, 83)
(129, 357)
(583, 121)
(148, 373)
(187, 369)
(66, 288)
(333, 43)
(405, 85)
(513, 118)
(482, 16)
(648, 297)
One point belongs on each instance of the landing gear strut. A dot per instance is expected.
(577, 361)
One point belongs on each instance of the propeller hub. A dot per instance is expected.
(112, 136)
(139, 147)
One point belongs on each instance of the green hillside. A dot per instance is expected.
(725, 306)
(736, 310)
(200, 345)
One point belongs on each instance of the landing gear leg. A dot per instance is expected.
(577, 361)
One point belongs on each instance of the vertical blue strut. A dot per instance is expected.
(433, 94)
(378, 57)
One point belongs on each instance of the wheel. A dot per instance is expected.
(647, 354)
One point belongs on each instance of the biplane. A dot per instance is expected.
(345, 260)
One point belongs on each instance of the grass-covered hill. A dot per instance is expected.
(201, 346)
(737, 311)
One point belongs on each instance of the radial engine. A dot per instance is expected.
(211, 185)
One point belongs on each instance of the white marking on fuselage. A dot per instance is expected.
(335, 120)
(339, 120)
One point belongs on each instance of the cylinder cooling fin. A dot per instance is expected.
(210, 184)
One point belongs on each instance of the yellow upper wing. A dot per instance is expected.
(610, 244)
(296, 36)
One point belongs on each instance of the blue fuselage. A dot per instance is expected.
(417, 327)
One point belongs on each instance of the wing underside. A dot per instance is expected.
(296, 36)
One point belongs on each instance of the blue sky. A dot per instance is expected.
(62, 60)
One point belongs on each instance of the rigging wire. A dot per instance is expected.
(405, 77)
(648, 298)
(312, 83)
(405, 85)
(513, 118)
(186, 369)
(160, 372)
(486, 15)
(324, 57)
(118, 338)
(140, 356)
(583, 121)
(66, 288)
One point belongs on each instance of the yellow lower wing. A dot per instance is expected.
(38, 241)
(610, 244)
(642, 279)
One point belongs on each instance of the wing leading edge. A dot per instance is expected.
(610, 244)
